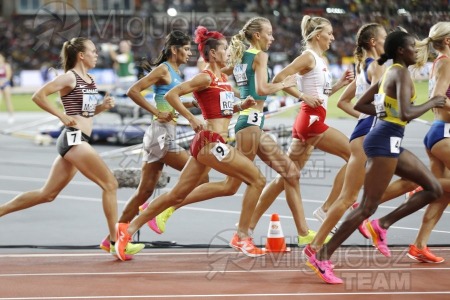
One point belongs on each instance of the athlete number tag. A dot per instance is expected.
(447, 130)
(162, 140)
(220, 151)
(395, 144)
(73, 137)
(255, 117)
(240, 75)
(226, 103)
(379, 105)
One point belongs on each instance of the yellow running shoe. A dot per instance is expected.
(307, 239)
(158, 224)
(130, 250)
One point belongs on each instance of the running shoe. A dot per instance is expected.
(362, 228)
(308, 251)
(122, 240)
(320, 215)
(307, 239)
(246, 246)
(409, 194)
(130, 250)
(323, 269)
(158, 223)
(423, 255)
(379, 237)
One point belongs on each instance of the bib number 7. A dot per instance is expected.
(73, 137)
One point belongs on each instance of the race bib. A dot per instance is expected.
(327, 84)
(379, 105)
(240, 75)
(447, 130)
(220, 151)
(395, 144)
(226, 103)
(89, 105)
(255, 117)
(73, 137)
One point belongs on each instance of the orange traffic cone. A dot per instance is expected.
(275, 238)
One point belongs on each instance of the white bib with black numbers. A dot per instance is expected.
(89, 104)
(447, 130)
(226, 103)
(73, 137)
(379, 105)
(255, 117)
(240, 75)
(396, 142)
(220, 151)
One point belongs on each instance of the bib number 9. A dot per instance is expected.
(220, 151)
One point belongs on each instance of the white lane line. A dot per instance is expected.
(221, 211)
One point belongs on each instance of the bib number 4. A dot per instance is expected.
(396, 142)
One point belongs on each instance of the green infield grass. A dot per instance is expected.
(23, 102)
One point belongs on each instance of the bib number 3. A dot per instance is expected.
(73, 137)
(220, 151)
(255, 118)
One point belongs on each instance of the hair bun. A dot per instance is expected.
(201, 34)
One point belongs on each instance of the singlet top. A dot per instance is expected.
(391, 105)
(3, 71)
(318, 81)
(363, 83)
(83, 99)
(161, 90)
(244, 76)
(217, 100)
(432, 82)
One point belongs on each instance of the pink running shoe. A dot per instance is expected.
(362, 227)
(378, 237)
(323, 269)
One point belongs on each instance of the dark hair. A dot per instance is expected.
(206, 41)
(176, 38)
(70, 50)
(394, 40)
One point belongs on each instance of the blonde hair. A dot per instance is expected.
(434, 41)
(363, 37)
(70, 51)
(237, 46)
(311, 26)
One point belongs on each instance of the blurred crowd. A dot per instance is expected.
(21, 44)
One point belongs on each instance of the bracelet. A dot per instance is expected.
(301, 95)
(282, 83)
(239, 106)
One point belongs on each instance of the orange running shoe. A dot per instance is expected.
(122, 240)
(246, 246)
(423, 255)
